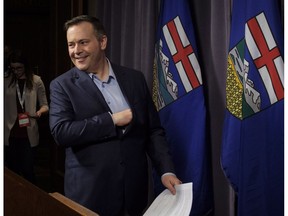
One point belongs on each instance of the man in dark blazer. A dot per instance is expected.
(104, 116)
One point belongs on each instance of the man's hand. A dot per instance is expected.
(169, 181)
(122, 118)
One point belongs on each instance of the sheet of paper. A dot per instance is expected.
(167, 204)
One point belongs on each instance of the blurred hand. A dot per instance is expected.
(38, 114)
(122, 118)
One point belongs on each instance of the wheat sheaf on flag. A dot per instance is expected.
(243, 97)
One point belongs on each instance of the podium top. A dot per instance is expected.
(21, 197)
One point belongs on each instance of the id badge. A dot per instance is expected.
(23, 119)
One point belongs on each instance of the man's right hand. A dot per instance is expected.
(122, 118)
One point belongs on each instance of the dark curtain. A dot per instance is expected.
(212, 25)
(131, 27)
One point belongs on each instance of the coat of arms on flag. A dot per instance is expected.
(244, 96)
(185, 60)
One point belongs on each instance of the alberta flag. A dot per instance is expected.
(178, 96)
(253, 139)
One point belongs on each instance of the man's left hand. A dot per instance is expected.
(169, 181)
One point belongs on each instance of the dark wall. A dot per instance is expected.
(26, 25)
(36, 28)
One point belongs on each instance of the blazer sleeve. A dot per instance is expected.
(157, 147)
(74, 121)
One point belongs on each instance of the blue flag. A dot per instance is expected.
(253, 136)
(178, 96)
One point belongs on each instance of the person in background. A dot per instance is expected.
(103, 114)
(25, 101)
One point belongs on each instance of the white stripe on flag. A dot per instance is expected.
(196, 67)
(280, 68)
(266, 31)
(186, 83)
(169, 40)
(268, 84)
(181, 31)
(255, 53)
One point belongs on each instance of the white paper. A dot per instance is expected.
(167, 204)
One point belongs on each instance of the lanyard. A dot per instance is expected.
(21, 98)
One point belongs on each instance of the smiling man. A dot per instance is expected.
(104, 116)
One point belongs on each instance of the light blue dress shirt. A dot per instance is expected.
(111, 91)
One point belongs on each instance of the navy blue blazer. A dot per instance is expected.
(105, 168)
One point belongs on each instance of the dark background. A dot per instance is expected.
(36, 27)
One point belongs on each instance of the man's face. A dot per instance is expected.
(85, 50)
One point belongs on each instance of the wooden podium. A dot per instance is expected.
(23, 198)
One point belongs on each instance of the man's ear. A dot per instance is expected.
(103, 42)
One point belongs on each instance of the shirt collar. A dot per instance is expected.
(111, 72)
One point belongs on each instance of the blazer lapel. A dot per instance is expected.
(83, 81)
(123, 82)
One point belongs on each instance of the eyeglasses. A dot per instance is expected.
(17, 68)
